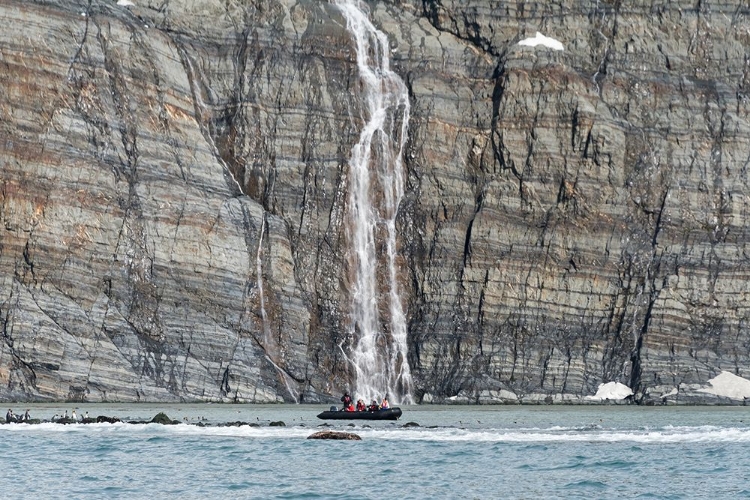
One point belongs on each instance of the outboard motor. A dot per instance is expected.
(333, 408)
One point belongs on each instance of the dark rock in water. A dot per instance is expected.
(352, 425)
(104, 419)
(239, 423)
(325, 425)
(162, 418)
(234, 424)
(278, 423)
(410, 424)
(346, 436)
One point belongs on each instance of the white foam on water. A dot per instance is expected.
(124, 428)
(54, 428)
(245, 431)
(593, 434)
(687, 435)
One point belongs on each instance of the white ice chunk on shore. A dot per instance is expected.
(728, 385)
(612, 391)
(673, 392)
(540, 39)
(125, 3)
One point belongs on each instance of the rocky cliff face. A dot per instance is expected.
(174, 184)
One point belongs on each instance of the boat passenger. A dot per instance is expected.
(373, 406)
(9, 416)
(346, 399)
(361, 405)
(384, 405)
(26, 416)
(350, 407)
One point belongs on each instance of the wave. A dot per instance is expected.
(586, 484)
(532, 436)
(662, 436)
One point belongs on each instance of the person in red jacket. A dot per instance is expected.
(346, 400)
(361, 405)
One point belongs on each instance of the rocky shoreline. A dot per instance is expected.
(161, 418)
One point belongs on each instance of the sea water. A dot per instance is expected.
(455, 452)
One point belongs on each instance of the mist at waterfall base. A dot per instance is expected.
(456, 452)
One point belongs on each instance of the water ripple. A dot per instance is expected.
(587, 484)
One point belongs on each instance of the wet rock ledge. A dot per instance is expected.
(160, 418)
(345, 436)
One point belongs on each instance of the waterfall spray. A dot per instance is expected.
(375, 191)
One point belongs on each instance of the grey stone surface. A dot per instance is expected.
(571, 218)
(337, 435)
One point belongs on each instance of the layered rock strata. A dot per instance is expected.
(173, 198)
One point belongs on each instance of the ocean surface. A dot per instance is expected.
(456, 452)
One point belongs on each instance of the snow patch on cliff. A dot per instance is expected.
(611, 391)
(728, 385)
(125, 3)
(540, 39)
(673, 392)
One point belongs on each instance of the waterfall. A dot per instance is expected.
(259, 279)
(375, 191)
(268, 342)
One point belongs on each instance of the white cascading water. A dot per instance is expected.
(267, 345)
(193, 77)
(375, 191)
(268, 342)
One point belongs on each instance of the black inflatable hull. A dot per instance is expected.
(389, 414)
